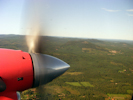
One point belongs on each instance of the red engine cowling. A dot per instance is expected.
(16, 71)
(20, 71)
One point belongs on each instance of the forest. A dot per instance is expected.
(99, 69)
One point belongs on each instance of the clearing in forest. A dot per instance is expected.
(74, 83)
(86, 84)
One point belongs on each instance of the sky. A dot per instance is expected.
(103, 19)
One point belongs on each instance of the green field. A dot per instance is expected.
(74, 83)
(86, 84)
(100, 69)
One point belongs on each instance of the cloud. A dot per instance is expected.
(109, 10)
(131, 10)
(130, 14)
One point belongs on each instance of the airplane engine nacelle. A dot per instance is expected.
(20, 71)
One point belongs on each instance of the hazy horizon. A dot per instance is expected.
(69, 37)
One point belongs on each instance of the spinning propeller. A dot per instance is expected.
(21, 70)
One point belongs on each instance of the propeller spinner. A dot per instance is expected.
(47, 68)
